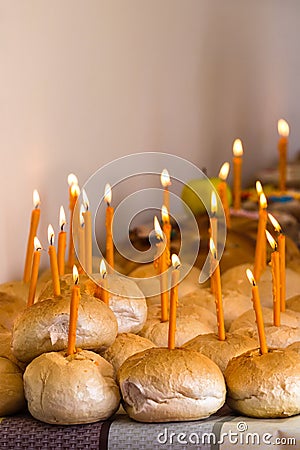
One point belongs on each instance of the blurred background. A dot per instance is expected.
(85, 82)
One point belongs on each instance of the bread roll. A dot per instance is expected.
(221, 352)
(293, 303)
(72, 389)
(281, 336)
(295, 346)
(264, 386)
(12, 398)
(126, 345)
(162, 385)
(248, 319)
(184, 311)
(43, 327)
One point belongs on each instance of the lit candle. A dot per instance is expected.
(34, 271)
(222, 191)
(108, 225)
(284, 131)
(275, 279)
(237, 171)
(259, 190)
(167, 228)
(281, 250)
(34, 222)
(258, 313)
(88, 243)
(81, 237)
(166, 182)
(213, 234)
(61, 245)
(104, 286)
(260, 249)
(53, 262)
(217, 292)
(173, 301)
(74, 304)
(163, 267)
(74, 194)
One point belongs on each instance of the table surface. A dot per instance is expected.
(224, 430)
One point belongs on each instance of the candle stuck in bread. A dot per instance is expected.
(74, 304)
(34, 222)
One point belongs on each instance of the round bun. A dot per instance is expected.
(12, 398)
(185, 310)
(281, 336)
(162, 385)
(264, 385)
(186, 329)
(43, 327)
(248, 320)
(72, 389)
(293, 303)
(126, 345)
(295, 346)
(11, 304)
(221, 352)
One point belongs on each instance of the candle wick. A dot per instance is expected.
(62, 227)
(51, 240)
(76, 281)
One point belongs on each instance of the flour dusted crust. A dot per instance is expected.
(264, 386)
(221, 352)
(43, 327)
(247, 319)
(126, 345)
(74, 389)
(161, 385)
(12, 398)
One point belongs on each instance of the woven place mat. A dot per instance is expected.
(24, 432)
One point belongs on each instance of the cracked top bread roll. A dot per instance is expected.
(73, 389)
(162, 385)
(43, 327)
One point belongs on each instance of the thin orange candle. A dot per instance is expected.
(259, 190)
(213, 234)
(237, 173)
(275, 279)
(62, 242)
(163, 267)
(53, 262)
(167, 228)
(34, 271)
(284, 131)
(109, 251)
(74, 305)
(258, 313)
(222, 191)
(217, 292)
(173, 301)
(88, 242)
(81, 237)
(166, 182)
(74, 194)
(104, 285)
(281, 250)
(260, 249)
(34, 222)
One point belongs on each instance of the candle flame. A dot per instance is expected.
(103, 271)
(107, 194)
(259, 188)
(251, 277)
(62, 218)
(213, 202)
(164, 214)
(157, 228)
(75, 190)
(37, 244)
(263, 201)
(212, 248)
(237, 148)
(271, 240)
(75, 275)
(72, 179)
(283, 128)
(165, 178)
(175, 261)
(81, 216)
(36, 199)
(85, 200)
(51, 235)
(275, 223)
(224, 171)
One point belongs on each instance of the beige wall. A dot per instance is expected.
(84, 82)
